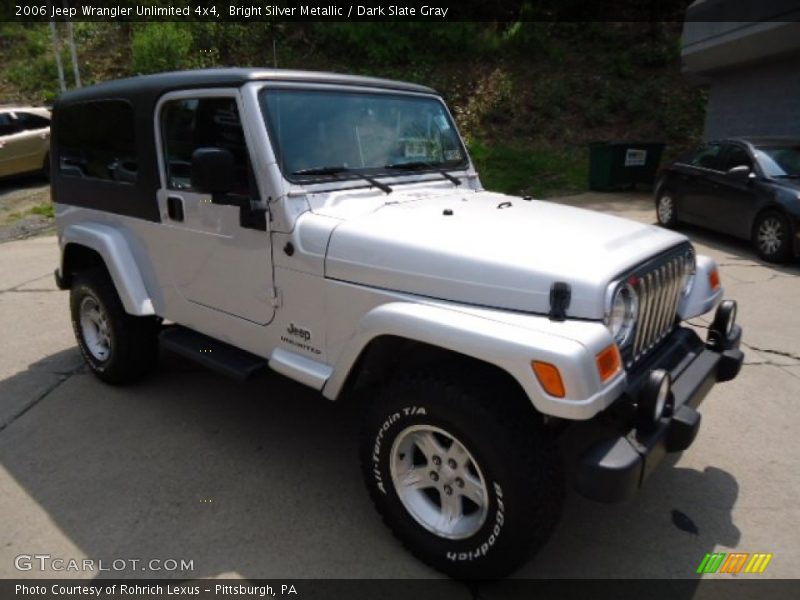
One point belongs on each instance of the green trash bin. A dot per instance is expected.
(623, 164)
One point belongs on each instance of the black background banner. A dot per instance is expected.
(399, 10)
(414, 589)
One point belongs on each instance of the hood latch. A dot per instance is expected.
(560, 296)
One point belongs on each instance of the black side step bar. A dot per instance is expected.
(212, 353)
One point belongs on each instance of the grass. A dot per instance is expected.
(44, 209)
(538, 171)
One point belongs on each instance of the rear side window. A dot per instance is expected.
(30, 121)
(96, 140)
(8, 125)
(189, 124)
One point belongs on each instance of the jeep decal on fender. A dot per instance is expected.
(300, 338)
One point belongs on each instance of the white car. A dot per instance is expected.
(24, 140)
(334, 229)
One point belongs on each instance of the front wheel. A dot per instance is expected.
(666, 209)
(771, 236)
(467, 479)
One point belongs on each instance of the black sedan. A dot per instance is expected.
(747, 187)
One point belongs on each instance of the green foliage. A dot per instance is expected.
(158, 47)
(489, 104)
(399, 43)
(28, 59)
(540, 171)
(527, 95)
(228, 43)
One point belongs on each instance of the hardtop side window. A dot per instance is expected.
(97, 140)
(192, 123)
(707, 157)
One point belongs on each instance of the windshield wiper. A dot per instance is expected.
(789, 176)
(338, 169)
(421, 164)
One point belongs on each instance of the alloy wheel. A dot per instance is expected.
(665, 208)
(95, 328)
(770, 236)
(439, 482)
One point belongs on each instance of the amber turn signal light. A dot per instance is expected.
(550, 378)
(713, 280)
(608, 362)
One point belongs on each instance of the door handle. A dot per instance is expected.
(175, 208)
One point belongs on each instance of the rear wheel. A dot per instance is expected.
(771, 236)
(666, 209)
(469, 482)
(117, 347)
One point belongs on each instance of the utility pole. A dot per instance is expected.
(57, 51)
(72, 51)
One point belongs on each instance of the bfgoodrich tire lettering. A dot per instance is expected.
(117, 347)
(514, 457)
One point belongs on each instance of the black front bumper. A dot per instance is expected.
(616, 456)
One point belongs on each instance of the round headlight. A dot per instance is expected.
(623, 313)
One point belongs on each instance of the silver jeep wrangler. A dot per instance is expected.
(333, 228)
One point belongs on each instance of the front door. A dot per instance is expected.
(697, 192)
(216, 258)
(735, 198)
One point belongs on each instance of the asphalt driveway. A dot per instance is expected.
(260, 480)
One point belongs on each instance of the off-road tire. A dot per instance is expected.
(772, 222)
(133, 347)
(515, 453)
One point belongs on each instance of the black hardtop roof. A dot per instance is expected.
(155, 85)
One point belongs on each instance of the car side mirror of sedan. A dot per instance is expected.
(742, 172)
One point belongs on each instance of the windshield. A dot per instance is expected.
(779, 161)
(324, 135)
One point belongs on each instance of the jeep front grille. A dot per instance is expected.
(659, 291)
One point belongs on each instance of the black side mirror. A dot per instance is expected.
(740, 172)
(213, 170)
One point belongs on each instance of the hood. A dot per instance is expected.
(488, 249)
(787, 183)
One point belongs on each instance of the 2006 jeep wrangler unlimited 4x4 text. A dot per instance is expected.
(333, 228)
